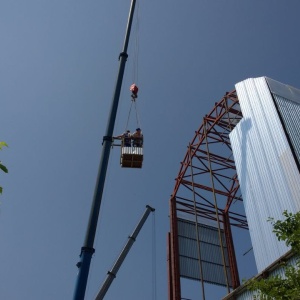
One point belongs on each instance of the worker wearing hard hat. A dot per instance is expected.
(137, 138)
(125, 137)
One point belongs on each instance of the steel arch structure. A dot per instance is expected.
(207, 192)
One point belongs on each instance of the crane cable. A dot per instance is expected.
(128, 116)
(154, 289)
(133, 102)
(135, 67)
(137, 115)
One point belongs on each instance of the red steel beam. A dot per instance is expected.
(219, 123)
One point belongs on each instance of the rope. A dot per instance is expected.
(137, 115)
(136, 46)
(135, 66)
(136, 58)
(153, 257)
(133, 102)
(128, 117)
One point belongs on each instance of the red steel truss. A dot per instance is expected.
(207, 189)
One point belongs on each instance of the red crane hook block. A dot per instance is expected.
(134, 89)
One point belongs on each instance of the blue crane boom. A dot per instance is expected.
(88, 248)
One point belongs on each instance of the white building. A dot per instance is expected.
(266, 149)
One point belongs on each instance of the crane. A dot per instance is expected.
(87, 250)
(111, 275)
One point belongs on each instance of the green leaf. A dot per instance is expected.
(288, 286)
(3, 144)
(3, 168)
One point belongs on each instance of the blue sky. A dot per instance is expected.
(58, 66)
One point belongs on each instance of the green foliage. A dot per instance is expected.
(2, 167)
(277, 287)
(3, 144)
(288, 230)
